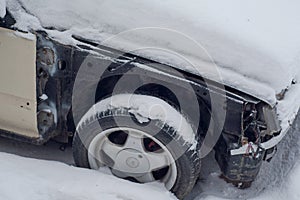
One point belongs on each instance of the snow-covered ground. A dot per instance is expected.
(23, 178)
(36, 179)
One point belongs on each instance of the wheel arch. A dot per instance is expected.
(163, 90)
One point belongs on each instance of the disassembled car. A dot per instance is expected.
(44, 94)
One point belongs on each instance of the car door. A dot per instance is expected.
(18, 83)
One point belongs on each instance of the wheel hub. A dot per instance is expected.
(134, 155)
(132, 161)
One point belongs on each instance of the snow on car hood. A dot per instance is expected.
(255, 44)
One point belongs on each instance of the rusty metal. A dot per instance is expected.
(280, 96)
(46, 56)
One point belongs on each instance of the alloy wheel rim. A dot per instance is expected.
(134, 155)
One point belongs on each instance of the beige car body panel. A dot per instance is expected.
(18, 83)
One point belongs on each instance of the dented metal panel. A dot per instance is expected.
(18, 83)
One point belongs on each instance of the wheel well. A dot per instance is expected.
(106, 88)
(159, 89)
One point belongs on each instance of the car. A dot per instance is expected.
(146, 120)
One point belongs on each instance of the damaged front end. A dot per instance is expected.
(249, 135)
(240, 157)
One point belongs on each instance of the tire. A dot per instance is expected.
(116, 123)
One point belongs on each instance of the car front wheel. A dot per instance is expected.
(138, 147)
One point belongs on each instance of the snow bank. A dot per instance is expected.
(2, 8)
(289, 189)
(24, 178)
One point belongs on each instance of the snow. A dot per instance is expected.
(144, 108)
(287, 110)
(27, 36)
(43, 97)
(290, 190)
(279, 179)
(48, 180)
(2, 8)
(248, 44)
(237, 43)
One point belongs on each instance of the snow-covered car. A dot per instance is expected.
(72, 71)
